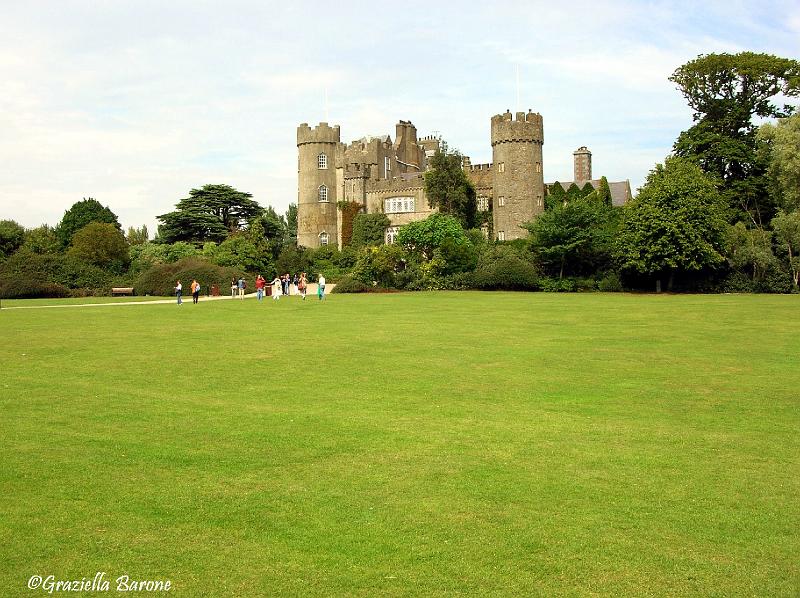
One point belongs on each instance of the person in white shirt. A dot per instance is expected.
(179, 292)
(321, 287)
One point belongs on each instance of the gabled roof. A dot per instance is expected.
(620, 190)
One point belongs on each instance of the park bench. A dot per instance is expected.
(122, 291)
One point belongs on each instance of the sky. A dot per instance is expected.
(135, 103)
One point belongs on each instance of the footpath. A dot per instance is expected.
(311, 292)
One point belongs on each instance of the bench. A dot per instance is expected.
(121, 291)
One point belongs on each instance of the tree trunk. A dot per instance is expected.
(658, 285)
(561, 272)
(670, 280)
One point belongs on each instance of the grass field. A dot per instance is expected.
(407, 444)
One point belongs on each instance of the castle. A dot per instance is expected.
(387, 176)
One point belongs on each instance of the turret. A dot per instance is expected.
(316, 185)
(517, 172)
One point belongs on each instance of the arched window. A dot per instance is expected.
(323, 193)
(323, 239)
(322, 161)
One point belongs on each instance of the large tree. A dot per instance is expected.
(675, 224)
(574, 237)
(449, 189)
(208, 214)
(12, 236)
(423, 237)
(783, 149)
(726, 91)
(101, 244)
(82, 213)
(787, 233)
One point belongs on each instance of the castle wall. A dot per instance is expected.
(379, 191)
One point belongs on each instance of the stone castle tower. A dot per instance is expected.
(317, 188)
(582, 159)
(518, 181)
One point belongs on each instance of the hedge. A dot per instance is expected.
(160, 280)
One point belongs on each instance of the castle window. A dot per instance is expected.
(398, 205)
(323, 239)
(323, 193)
(322, 161)
(501, 167)
(538, 167)
(483, 203)
(391, 234)
(501, 235)
(539, 201)
(501, 201)
(387, 167)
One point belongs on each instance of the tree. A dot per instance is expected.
(675, 224)
(749, 250)
(787, 233)
(574, 238)
(783, 149)
(369, 229)
(208, 214)
(137, 236)
(726, 91)
(449, 189)
(101, 244)
(12, 236)
(603, 192)
(423, 237)
(291, 223)
(41, 240)
(79, 215)
(556, 196)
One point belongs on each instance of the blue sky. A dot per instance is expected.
(134, 103)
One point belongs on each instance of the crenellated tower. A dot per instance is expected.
(517, 172)
(317, 185)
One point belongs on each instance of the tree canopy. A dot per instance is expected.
(449, 189)
(423, 237)
(676, 223)
(12, 236)
(101, 244)
(369, 229)
(726, 91)
(208, 214)
(80, 214)
(783, 148)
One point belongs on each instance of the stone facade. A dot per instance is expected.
(386, 176)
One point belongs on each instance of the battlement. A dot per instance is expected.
(521, 127)
(322, 133)
(398, 184)
(356, 170)
(479, 167)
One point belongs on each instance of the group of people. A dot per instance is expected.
(288, 285)
(195, 286)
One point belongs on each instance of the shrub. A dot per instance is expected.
(160, 280)
(18, 286)
(348, 284)
(557, 285)
(368, 229)
(610, 283)
(65, 270)
(507, 272)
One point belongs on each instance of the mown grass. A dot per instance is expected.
(407, 444)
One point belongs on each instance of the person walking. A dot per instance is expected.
(276, 288)
(260, 282)
(321, 287)
(285, 284)
(179, 292)
(240, 285)
(294, 284)
(301, 285)
(195, 291)
(233, 287)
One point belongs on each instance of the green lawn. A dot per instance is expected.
(407, 444)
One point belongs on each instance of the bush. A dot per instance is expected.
(610, 283)
(557, 285)
(65, 270)
(160, 280)
(509, 272)
(18, 286)
(348, 284)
